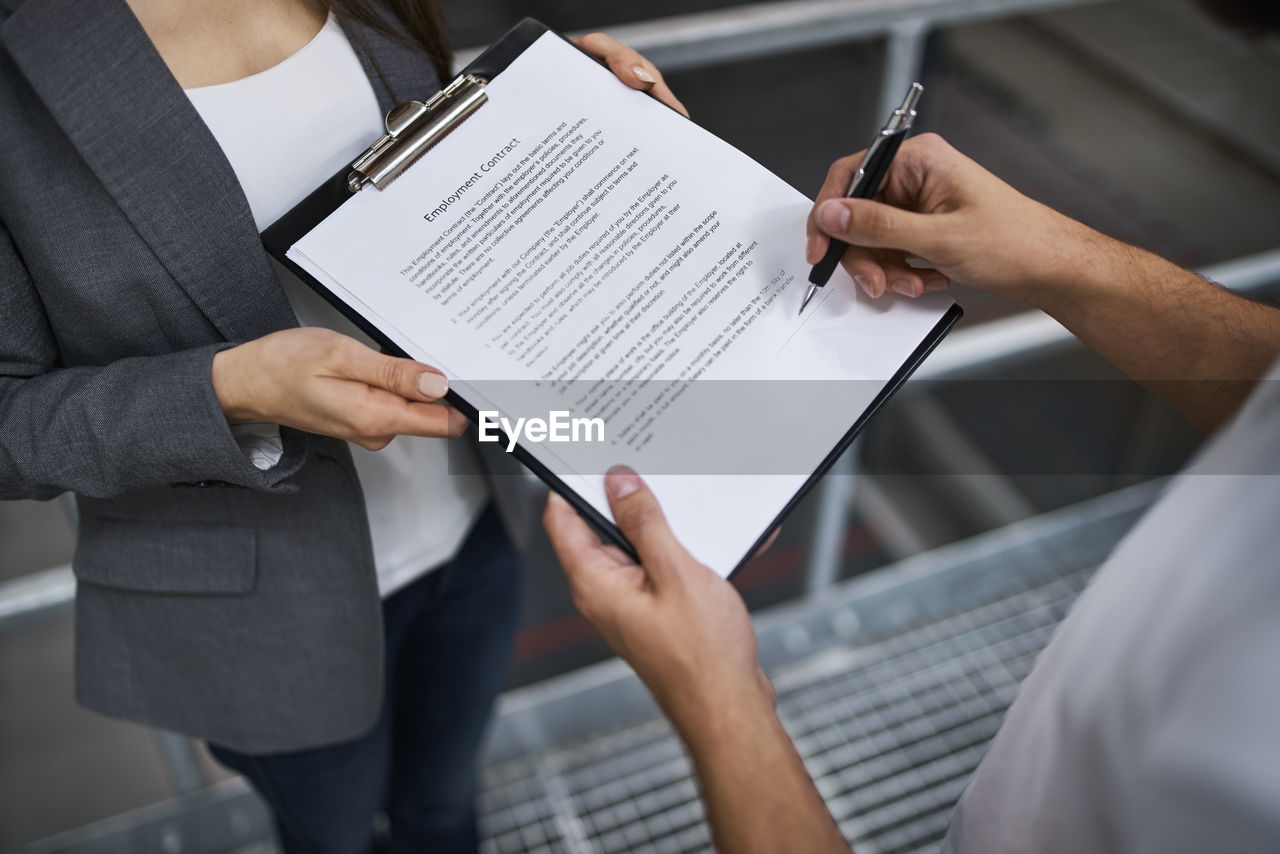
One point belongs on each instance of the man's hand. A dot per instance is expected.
(630, 67)
(944, 208)
(686, 632)
(323, 382)
(682, 627)
(1196, 346)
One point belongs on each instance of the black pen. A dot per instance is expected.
(866, 181)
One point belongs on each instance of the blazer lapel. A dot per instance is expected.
(107, 87)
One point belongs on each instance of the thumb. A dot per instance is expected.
(642, 522)
(863, 222)
(405, 377)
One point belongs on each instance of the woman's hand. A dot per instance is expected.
(323, 382)
(630, 67)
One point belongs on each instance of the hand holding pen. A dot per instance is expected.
(866, 181)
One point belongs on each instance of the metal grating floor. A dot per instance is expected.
(890, 731)
(891, 683)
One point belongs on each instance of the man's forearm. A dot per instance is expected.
(758, 795)
(1195, 345)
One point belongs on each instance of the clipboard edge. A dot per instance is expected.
(940, 329)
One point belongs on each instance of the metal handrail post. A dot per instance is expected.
(181, 759)
(835, 497)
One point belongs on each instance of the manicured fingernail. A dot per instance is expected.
(864, 283)
(811, 255)
(620, 482)
(642, 74)
(432, 385)
(833, 216)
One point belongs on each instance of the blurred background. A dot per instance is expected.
(909, 594)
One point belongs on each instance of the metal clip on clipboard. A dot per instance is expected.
(413, 128)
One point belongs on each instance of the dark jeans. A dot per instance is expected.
(448, 641)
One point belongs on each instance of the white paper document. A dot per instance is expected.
(576, 247)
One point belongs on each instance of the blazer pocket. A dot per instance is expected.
(156, 557)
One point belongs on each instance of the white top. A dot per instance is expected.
(1151, 722)
(285, 130)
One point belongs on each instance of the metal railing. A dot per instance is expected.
(757, 30)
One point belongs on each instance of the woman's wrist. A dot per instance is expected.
(228, 377)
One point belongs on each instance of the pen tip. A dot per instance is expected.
(813, 289)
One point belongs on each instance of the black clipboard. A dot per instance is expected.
(424, 123)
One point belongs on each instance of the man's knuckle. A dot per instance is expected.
(929, 140)
(932, 147)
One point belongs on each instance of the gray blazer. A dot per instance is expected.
(214, 599)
